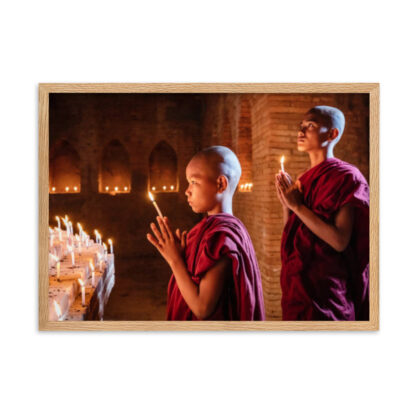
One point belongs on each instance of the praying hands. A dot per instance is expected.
(170, 245)
(289, 193)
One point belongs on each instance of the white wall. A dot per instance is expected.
(188, 41)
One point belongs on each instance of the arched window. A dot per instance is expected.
(114, 174)
(244, 146)
(163, 169)
(64, 169)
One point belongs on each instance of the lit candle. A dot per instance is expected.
(153, 188)
(71, 250)
(82, 291)
(77, 237)
(96, 236)
(92, 273)
(58, 310)
(53, 189)
(105, 251)
(155, 204)
(75, 188)
(164, 187)
(172, 187)
(51, 236)
(125, 188)
(59, 222)
(116, 188)
(107, 188)
(67, 188)
(111, 245)
(282, 161)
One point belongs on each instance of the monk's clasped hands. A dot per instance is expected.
(289, 193)
(170, 245)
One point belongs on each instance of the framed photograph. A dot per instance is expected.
(208, 207)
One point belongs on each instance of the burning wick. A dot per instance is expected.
(111, 245)
(59, 222)
(57, 310)
(155, 204)
(82, 291)
(282, 161)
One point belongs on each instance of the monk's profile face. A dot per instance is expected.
(202, 189)
(313, 131)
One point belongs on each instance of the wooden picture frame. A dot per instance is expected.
(368, 88)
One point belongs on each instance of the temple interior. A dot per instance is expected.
(107, 151)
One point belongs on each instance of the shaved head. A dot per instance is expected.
(222, 161)
(331, 117)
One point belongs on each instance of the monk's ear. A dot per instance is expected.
(222, 183)
(333, 134)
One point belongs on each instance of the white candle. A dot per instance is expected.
(282, 161)
(82, 291)
(105, 251)
(155, 204)
(111, 246)
(92, 274)
(59, 222)
(96, 236)
(58, 269)
(73, 258)
(57, 310)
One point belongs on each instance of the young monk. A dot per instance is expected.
(215, 270)
(325, 244)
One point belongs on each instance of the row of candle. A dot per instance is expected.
(164, 187)
(67, 189)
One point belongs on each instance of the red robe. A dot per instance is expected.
(319, 283)
(211, 239)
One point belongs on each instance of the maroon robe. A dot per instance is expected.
(319, 283)
(217, 236)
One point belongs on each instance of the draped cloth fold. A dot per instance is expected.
(319, 283)
(215, 237)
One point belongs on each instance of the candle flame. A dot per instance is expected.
(116, 188)
(164, 188)
(75, 188)
(67, 188)
(153, 188)
(53, 189)
(151, 196)
(107, 188)
(282, 159)
(57, 309)
(79, 226)
(171, 187)
(125, 188)
(105, 246)
(81, 282)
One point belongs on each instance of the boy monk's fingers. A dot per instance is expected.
(153, 241)
(167, 226)
(162, 227)
(156, 232)
(178, 233)
(183, 238)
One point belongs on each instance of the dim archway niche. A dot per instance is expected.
(244, 146)
(64, 169)
(114, 174)
(163, 169)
